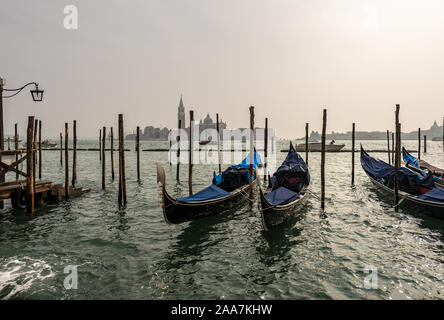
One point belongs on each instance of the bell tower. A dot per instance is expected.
(181, 114)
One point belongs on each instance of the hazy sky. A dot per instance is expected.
(288, 58)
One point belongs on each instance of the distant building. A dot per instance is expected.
(206, 123)
(181, 114)
(435, 131)
(152, 133)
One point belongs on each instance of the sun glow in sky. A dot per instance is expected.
(288, 58)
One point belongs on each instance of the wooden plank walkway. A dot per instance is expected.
(7, 189)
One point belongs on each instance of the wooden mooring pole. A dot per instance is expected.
(419, 143)
(112, 153)
(190, 155)
(100, 144)
(66, 163)
(103, 157)
(35, 144)
(170, 157)
(353, 154)
(16, 139)
(393, 147)
(219, 160)
(388, 147)
(29, 167)
(74, 153)
(266, 149)
(40, 149)
(425, 144)
(250, 176)
(122, 182)
(61, 149)
(306, 144)
(34, 149)
(138, 153)
(397, 159)
(324, 128)
(178, 152)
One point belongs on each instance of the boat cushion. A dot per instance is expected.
(209, 193)
(435, 195)
(281, 196)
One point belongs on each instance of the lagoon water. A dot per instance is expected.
(132, 253)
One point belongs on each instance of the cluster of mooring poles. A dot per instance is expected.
(122, 198)
(34, 156)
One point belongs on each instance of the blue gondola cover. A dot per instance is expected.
(281, 196)
(435, 195)
(379, 169)
(209, 193)
(246, 162)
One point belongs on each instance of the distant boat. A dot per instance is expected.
(316, 146)
(47, 143)
(12, 140)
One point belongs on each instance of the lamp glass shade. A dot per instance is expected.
(37, 95)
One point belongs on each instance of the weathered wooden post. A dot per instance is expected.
(419, 143)
(74, 153)
(190, 156)
(34, 145)
(122, 182)
(178, 152)
(170, 155)
(103, 157)
(16, 139)
(112, 154)
(425, 144)
(393, 147)
(138, 153)
(250, 175)
(324, 127)
(388, 146)
(397, 159)
(218, 143)
(266, 149)
(100, 144)
(306, 144)
(66, 163)
(9, 143)
(34, 149)
(61, 149)
(40, 149)
(29, 167)
(353, 154)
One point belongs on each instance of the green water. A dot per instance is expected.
(132, 253)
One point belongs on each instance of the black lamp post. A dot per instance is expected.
(37, 96)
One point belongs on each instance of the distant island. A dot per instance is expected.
(434, 133)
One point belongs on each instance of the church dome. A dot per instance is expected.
(208, 119)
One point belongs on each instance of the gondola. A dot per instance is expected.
(287, 190)
(416, 192)
(227, 188)
(422, 167)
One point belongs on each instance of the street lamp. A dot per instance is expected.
(37, 96)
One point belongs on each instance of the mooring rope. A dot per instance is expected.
(400, 201)
(309, 191)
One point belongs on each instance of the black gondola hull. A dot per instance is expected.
(177, 212)
(427, 207)
(273, 216)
